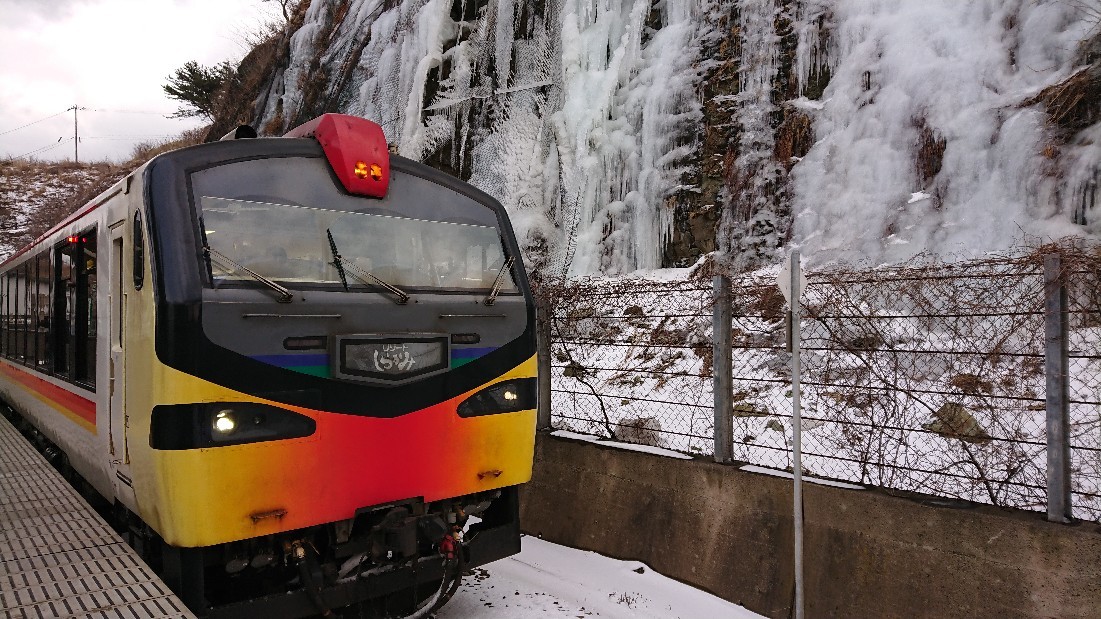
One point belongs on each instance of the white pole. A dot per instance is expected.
(797, 431)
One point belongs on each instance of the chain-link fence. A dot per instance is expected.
(631, 360)
(930, 378)
(1083, 286)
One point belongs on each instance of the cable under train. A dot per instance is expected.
(300, 370)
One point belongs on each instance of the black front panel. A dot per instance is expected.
(238, 335)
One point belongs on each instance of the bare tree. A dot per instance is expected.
(287, 6)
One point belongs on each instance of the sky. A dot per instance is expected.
(111, 57)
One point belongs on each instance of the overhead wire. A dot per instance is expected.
(123, 137)
(87, 109)
(59, 142)
(166, 115)
(97, 109)
(35, 122)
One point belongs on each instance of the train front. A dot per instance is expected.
(342, 357)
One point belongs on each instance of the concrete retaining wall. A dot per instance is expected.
(867, 554)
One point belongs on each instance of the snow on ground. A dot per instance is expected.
(599, 440)
(753, 468)
(549, 580)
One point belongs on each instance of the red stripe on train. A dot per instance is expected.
(81, 407)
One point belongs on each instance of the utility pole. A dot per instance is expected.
(76, 133)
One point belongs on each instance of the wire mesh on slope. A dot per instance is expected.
(927, 378)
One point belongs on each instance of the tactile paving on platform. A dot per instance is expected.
(58, 558)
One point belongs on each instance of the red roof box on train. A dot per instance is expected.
(356, 150)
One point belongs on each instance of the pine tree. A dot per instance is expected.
(198, 88)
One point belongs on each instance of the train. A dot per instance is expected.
(300, 370)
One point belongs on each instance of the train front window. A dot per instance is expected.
(274, 217)
(291, 244)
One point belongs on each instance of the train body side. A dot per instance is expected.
(73, 413)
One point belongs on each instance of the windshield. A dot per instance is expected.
(290, 243)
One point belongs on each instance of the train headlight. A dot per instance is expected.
(224, 422)
(509, 396)
(217, 424)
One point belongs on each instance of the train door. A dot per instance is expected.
(119, 450)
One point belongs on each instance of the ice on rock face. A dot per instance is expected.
(583, 118)
(962, 70)
(578, 115)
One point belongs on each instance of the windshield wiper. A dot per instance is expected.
(497, 283)
(337, 261)
(285, 295)
(364, 276)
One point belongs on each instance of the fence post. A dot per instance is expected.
(1056, 370)
(722, 371)
(795, 292)
(543, 354)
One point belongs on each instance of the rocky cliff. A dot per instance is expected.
(636, 134)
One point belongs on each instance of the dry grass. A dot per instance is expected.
(147, 150)
(1074, 103)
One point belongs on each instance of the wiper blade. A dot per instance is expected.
(206, 245)
(285, 295)
(364, 276)
(368, 277)
(497, 283)
(337, 262)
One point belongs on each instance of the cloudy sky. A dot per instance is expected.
(112, 57)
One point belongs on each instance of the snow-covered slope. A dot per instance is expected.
(628, 134)
(36, 195)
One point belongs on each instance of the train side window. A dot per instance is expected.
(17, 303)
(85, 311)
(32, 310)
(4, 313)
(139, 252)
(13, 313)
(74, 308)
(23, 307)
(42, 319)
(9, 314)
(13, 317)
(30, 306)
(64, 289)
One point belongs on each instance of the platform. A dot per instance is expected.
(58, 558)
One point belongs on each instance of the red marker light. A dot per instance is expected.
(361, 169)
(73, 239)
